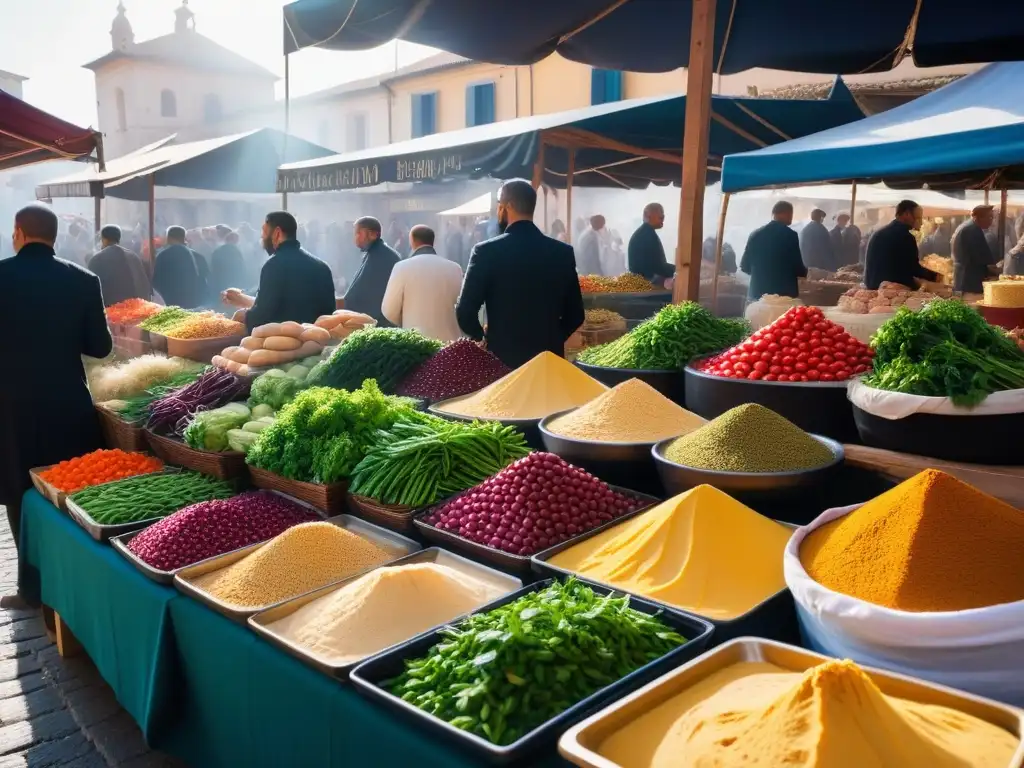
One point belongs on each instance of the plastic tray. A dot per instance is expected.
(120, 543)
(260, 622)
(581, 743)
(398, 546)
(518, 564)
(386, 666)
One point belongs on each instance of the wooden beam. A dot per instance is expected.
(853, 202)
(568, 195)
(152, 222)
(538, 166)
(97, 212)
(718, 251)
(575, 138)
(287, 124)
(696, 136)
(1002, 223)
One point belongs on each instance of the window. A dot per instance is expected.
(424, 114)
(605, 86)
(122, 112)
(213, 112)
(356, 136)
(168, 104)
(480, 104)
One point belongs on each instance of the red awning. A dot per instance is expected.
(29, 135)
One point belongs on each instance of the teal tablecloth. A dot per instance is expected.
(203, 688)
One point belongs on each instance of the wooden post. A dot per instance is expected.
(1002, 223)
(538, 166)
(718, 252)
(152, 221)
(986, 196)
(287, 124)
(568, 195)
(696, 135)
(97, 213)
(853, 202)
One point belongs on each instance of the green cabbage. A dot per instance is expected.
(274, 388)
(208, 430)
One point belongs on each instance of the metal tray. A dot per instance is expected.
(389, 664)
(120, 543)
(518, 564)
(261, 621)
(394, 544)
(580, 743)
(774, 617)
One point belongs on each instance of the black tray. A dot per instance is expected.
(669, 383)
(390, 664)
(749, 487)
(515, 564)
(970, 439)
(818, 407)
(528, 427)
(616, 463)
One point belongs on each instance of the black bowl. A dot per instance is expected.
(669, 383)
(529, 427)
(821, 408)
(748, 487)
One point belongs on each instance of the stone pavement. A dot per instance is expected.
(53, 711)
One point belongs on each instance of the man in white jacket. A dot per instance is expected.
(424, 289)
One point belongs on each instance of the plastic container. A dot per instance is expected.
(821, 408)
(668, 383)
(748, 487)
(368, 675)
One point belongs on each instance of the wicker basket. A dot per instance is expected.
(227, 465)
(200, 350)
(392, 516)
(118, 433)
(329, 499)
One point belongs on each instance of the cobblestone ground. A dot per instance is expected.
(54, 711)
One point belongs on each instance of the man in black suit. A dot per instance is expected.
(772, 256)
(892, 251)
(122, 274)
(366, 294)
(181, 275)
(525, 280)
(46, 413)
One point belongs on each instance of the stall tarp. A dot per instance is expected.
(509, 148)
(478, 206)
(951, 137)
(653, 35)
(30, 135)
(243, 162)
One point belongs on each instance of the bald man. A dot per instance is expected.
(646, 254)
(46, 413)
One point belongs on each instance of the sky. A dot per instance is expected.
(48, 41)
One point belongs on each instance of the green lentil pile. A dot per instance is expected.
(749, 438)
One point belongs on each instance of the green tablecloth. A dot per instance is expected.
(203, 688)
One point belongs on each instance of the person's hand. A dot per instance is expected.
(239, 316)
(669, 283)
(232, 297)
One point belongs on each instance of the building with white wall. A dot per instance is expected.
(12, 83)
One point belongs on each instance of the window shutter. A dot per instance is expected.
(613, 85)
(486, 112)
(429, 113)
(417, 115)
(471, 94)
(597, 80)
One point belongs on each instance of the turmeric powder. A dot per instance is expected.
(932, 543)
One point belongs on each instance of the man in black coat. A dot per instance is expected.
(973, 260)
(772, 256)
(122, 274)
(181, 275)
(46, 413)
(366, 294)
(892, 251)
(645, 253)
(816, 244)
(589, 247)
(227, 265)
(294, 284)
(525, 281)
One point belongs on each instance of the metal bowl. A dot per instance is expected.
(669, 383)
(529, 427)
(746, 486)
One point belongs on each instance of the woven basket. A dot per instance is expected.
(329, 499)
(228, 465)
(200, 350)
(118, 433)
(392, 516)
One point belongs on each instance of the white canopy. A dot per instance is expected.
(478, 206)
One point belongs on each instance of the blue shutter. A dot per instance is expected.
(417, 115)
(471, 106)
(605, 86)
(485, 108)
(597, 78)
(429, 113)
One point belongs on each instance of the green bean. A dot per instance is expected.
(148, 496)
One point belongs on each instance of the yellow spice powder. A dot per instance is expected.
(382, 608)
(545, 385)
(632, 412)
(701, 551)
(831, 716)
(303, 558)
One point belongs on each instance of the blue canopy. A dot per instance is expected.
(653, 35)
(954, 137)
(625, 144)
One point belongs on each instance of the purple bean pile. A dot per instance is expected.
(458, 369)
(213, 528)
(214, 388)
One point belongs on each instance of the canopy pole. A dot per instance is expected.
(97, 212)
(287, 124)
(986, 195)
(696, 135)
(152, 221)
(568, 195)
(719, 244)
(538, 166)
(853, 202)
(1002, 222)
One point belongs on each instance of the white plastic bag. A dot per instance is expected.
(899, 405)
(979, 650)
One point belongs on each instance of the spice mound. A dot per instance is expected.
(932, 543)
(544, 385)
(300, 560)
(701, 551)
(831, 716)
(503, 673)
(212, 528)
(383, 608)
(534, 503)
(458, 369)
(749, 438)
(632, 412)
